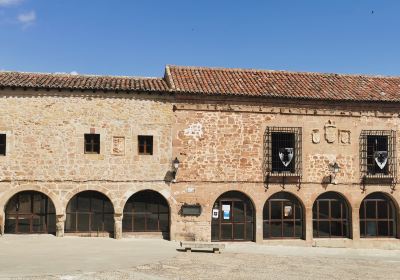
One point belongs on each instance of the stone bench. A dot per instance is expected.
(189, 246)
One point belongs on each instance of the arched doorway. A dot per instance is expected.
(378, 216)
(90, 211)
(283, 216)
(331, 216)
(146, 211)
(232, 218)
(30, 212)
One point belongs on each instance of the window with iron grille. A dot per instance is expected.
(282, 150)
(377, 153)
(2, 144)
(92, 143)
(145, 145)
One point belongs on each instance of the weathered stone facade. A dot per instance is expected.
(227, 154)
(45, 146)
(218, 141)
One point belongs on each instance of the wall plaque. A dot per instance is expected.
(118, 145)
(191, 209)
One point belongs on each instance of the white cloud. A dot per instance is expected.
(27, 18)
(5, 3)
(74, 73)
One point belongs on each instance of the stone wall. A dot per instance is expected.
(221, 148)
(218, 142)
(45, 144)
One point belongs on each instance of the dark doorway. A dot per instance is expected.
(30, 212)
(88, 212)
(377, 216)
(235, 218)
(283, 216)
(146, 211)
(331, 216)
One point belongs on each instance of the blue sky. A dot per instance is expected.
(140, 37)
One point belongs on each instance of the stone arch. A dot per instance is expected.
(155, 215)
(53, 197)
(216, 196)
(278, 224)
(162, 191)
(325, 215)
(375, 220)
(90, 211)
(385, 192)
(99, 189)
(236, 218)
(290, 192)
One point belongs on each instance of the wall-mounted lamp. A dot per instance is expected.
(334, 168)
(175, 165)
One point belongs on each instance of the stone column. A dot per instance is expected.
(118, 225)
(308, 225)
(259, 226)
(355, 223)
(60, 222)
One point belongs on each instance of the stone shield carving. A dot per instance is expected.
(344, 136)
(315, 136)
(330, 132)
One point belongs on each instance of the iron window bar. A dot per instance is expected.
(378, 157)
(283, 154)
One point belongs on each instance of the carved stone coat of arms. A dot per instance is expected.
(330, 132)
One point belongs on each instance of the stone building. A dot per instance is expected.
(203, 154)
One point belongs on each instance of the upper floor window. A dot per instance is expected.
(3, 144)
(92, 143)
(377, 153)
(283, 150)
(145, 145)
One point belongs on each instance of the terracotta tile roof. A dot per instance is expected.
(224, 81)
(81, 82)
(247, 82)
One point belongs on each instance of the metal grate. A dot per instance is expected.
(282, 151)
(378, 154)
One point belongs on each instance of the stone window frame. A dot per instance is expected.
(297, 131)
(146, 150)
(391, 149)
(93, 151)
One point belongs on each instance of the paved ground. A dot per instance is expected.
(70, 258)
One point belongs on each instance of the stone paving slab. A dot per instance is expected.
(70, 258)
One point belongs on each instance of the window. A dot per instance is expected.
(145, 145)
(377, 153)
(283, 217)
(282, 150)
(146, 211)
(92, 143)
(2, 144)
(89, 211)
(377, 216)
(331, 216)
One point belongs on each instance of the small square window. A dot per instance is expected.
(92, 143)
(2, 144)
(145, 145)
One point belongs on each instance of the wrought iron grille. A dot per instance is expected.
(378, 154)
(282, 151)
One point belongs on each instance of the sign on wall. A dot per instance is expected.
(215, 213)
